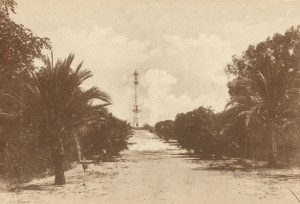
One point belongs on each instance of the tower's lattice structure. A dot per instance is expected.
(136, 109)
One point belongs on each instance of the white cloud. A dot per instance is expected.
(193, 75)
(111, 57)
(161, 103)
(177, 76)
(158, 84)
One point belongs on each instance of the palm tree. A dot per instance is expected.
(64, 105)
(55, 102)
(265, 89)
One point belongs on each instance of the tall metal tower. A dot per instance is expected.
(136, 108)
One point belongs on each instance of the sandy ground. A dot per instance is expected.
(155, 172)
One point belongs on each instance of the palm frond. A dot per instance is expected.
(78, 68)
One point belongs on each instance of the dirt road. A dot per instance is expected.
(155, 172)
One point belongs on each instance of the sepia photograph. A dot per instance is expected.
(150, 101)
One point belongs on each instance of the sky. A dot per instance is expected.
(179, 47)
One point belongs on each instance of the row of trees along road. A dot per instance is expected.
(261, 119)
(47, 120)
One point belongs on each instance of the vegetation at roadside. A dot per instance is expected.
(47, 120)
(261, 119)
(148, 127)
(165, 129)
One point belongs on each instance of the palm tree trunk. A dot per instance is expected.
(108, 149)
(274, 153)
(58, 159)
(274, 160)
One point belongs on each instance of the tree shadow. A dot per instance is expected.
(232, 165)
(35, 187)
(243, 167)
(283, 177)
(184, 155)
(78, 180)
